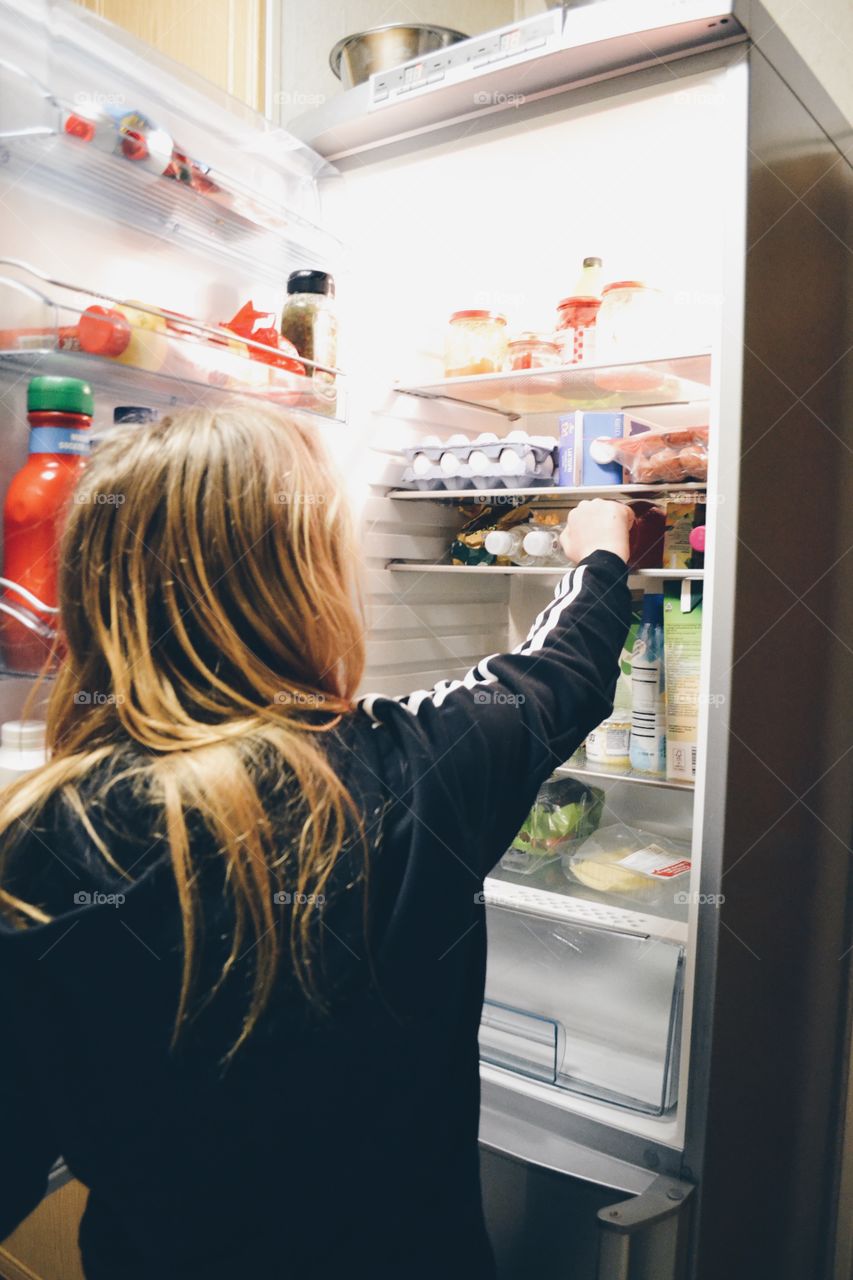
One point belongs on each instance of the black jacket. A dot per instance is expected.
(337, 1144)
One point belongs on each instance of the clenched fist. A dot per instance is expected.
(597, 525)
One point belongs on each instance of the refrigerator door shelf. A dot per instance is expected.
(155, 357)
(249, 215)
(653, 381)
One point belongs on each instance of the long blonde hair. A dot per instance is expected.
(210, 616)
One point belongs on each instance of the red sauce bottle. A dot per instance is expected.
(59, 411)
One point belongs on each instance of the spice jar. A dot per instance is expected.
(309, 320)
(476, 343)
(533, 351)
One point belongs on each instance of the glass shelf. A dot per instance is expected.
(678, 379)
(415, 566)
(613, 775)
(167, 359)
(545, 493)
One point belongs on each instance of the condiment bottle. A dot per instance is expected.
(60, 416)
(309, 321)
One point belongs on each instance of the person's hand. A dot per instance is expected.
(597, 525)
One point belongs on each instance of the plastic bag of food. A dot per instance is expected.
(624, 860)
(564, 812)
(657, 457)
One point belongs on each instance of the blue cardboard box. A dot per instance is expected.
(577, 432)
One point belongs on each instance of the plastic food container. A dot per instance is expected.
(533, 351)
(628, 862)
(494, 464)
(476, 343)
(657, 457)
(565, 811)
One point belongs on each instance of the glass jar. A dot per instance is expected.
(309, 320)
(632, 326)
(576, 320)
(533, 351)
(476, 343)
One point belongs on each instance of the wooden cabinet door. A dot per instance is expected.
(223, 40)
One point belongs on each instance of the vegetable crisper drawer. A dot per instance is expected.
(587, 1009)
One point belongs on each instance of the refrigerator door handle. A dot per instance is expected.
(645, 1238)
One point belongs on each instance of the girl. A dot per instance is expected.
(243, 944)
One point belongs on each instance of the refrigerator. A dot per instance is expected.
(664, 1082)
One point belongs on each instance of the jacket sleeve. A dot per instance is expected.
(27, 1152)
(499, 732)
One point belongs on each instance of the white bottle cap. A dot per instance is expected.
(23, 735)
(499, 542)
(539, 542)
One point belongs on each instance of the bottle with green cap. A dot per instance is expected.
(59, 411)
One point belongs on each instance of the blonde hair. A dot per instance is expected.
(210, 616)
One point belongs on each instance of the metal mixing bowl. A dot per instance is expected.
(357, 57)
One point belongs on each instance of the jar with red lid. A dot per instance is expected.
(476, 343)
(533, 351)
(633, 326)
(577, 315)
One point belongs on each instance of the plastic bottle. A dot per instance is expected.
(544, 546)
(648, 705)
(508, 544)
(60, 417)
(22, 748)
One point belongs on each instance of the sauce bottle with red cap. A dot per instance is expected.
(59, 411)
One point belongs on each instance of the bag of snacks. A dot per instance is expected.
(657, 457)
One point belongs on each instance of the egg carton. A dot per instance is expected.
(519, 461)
(437, 483)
